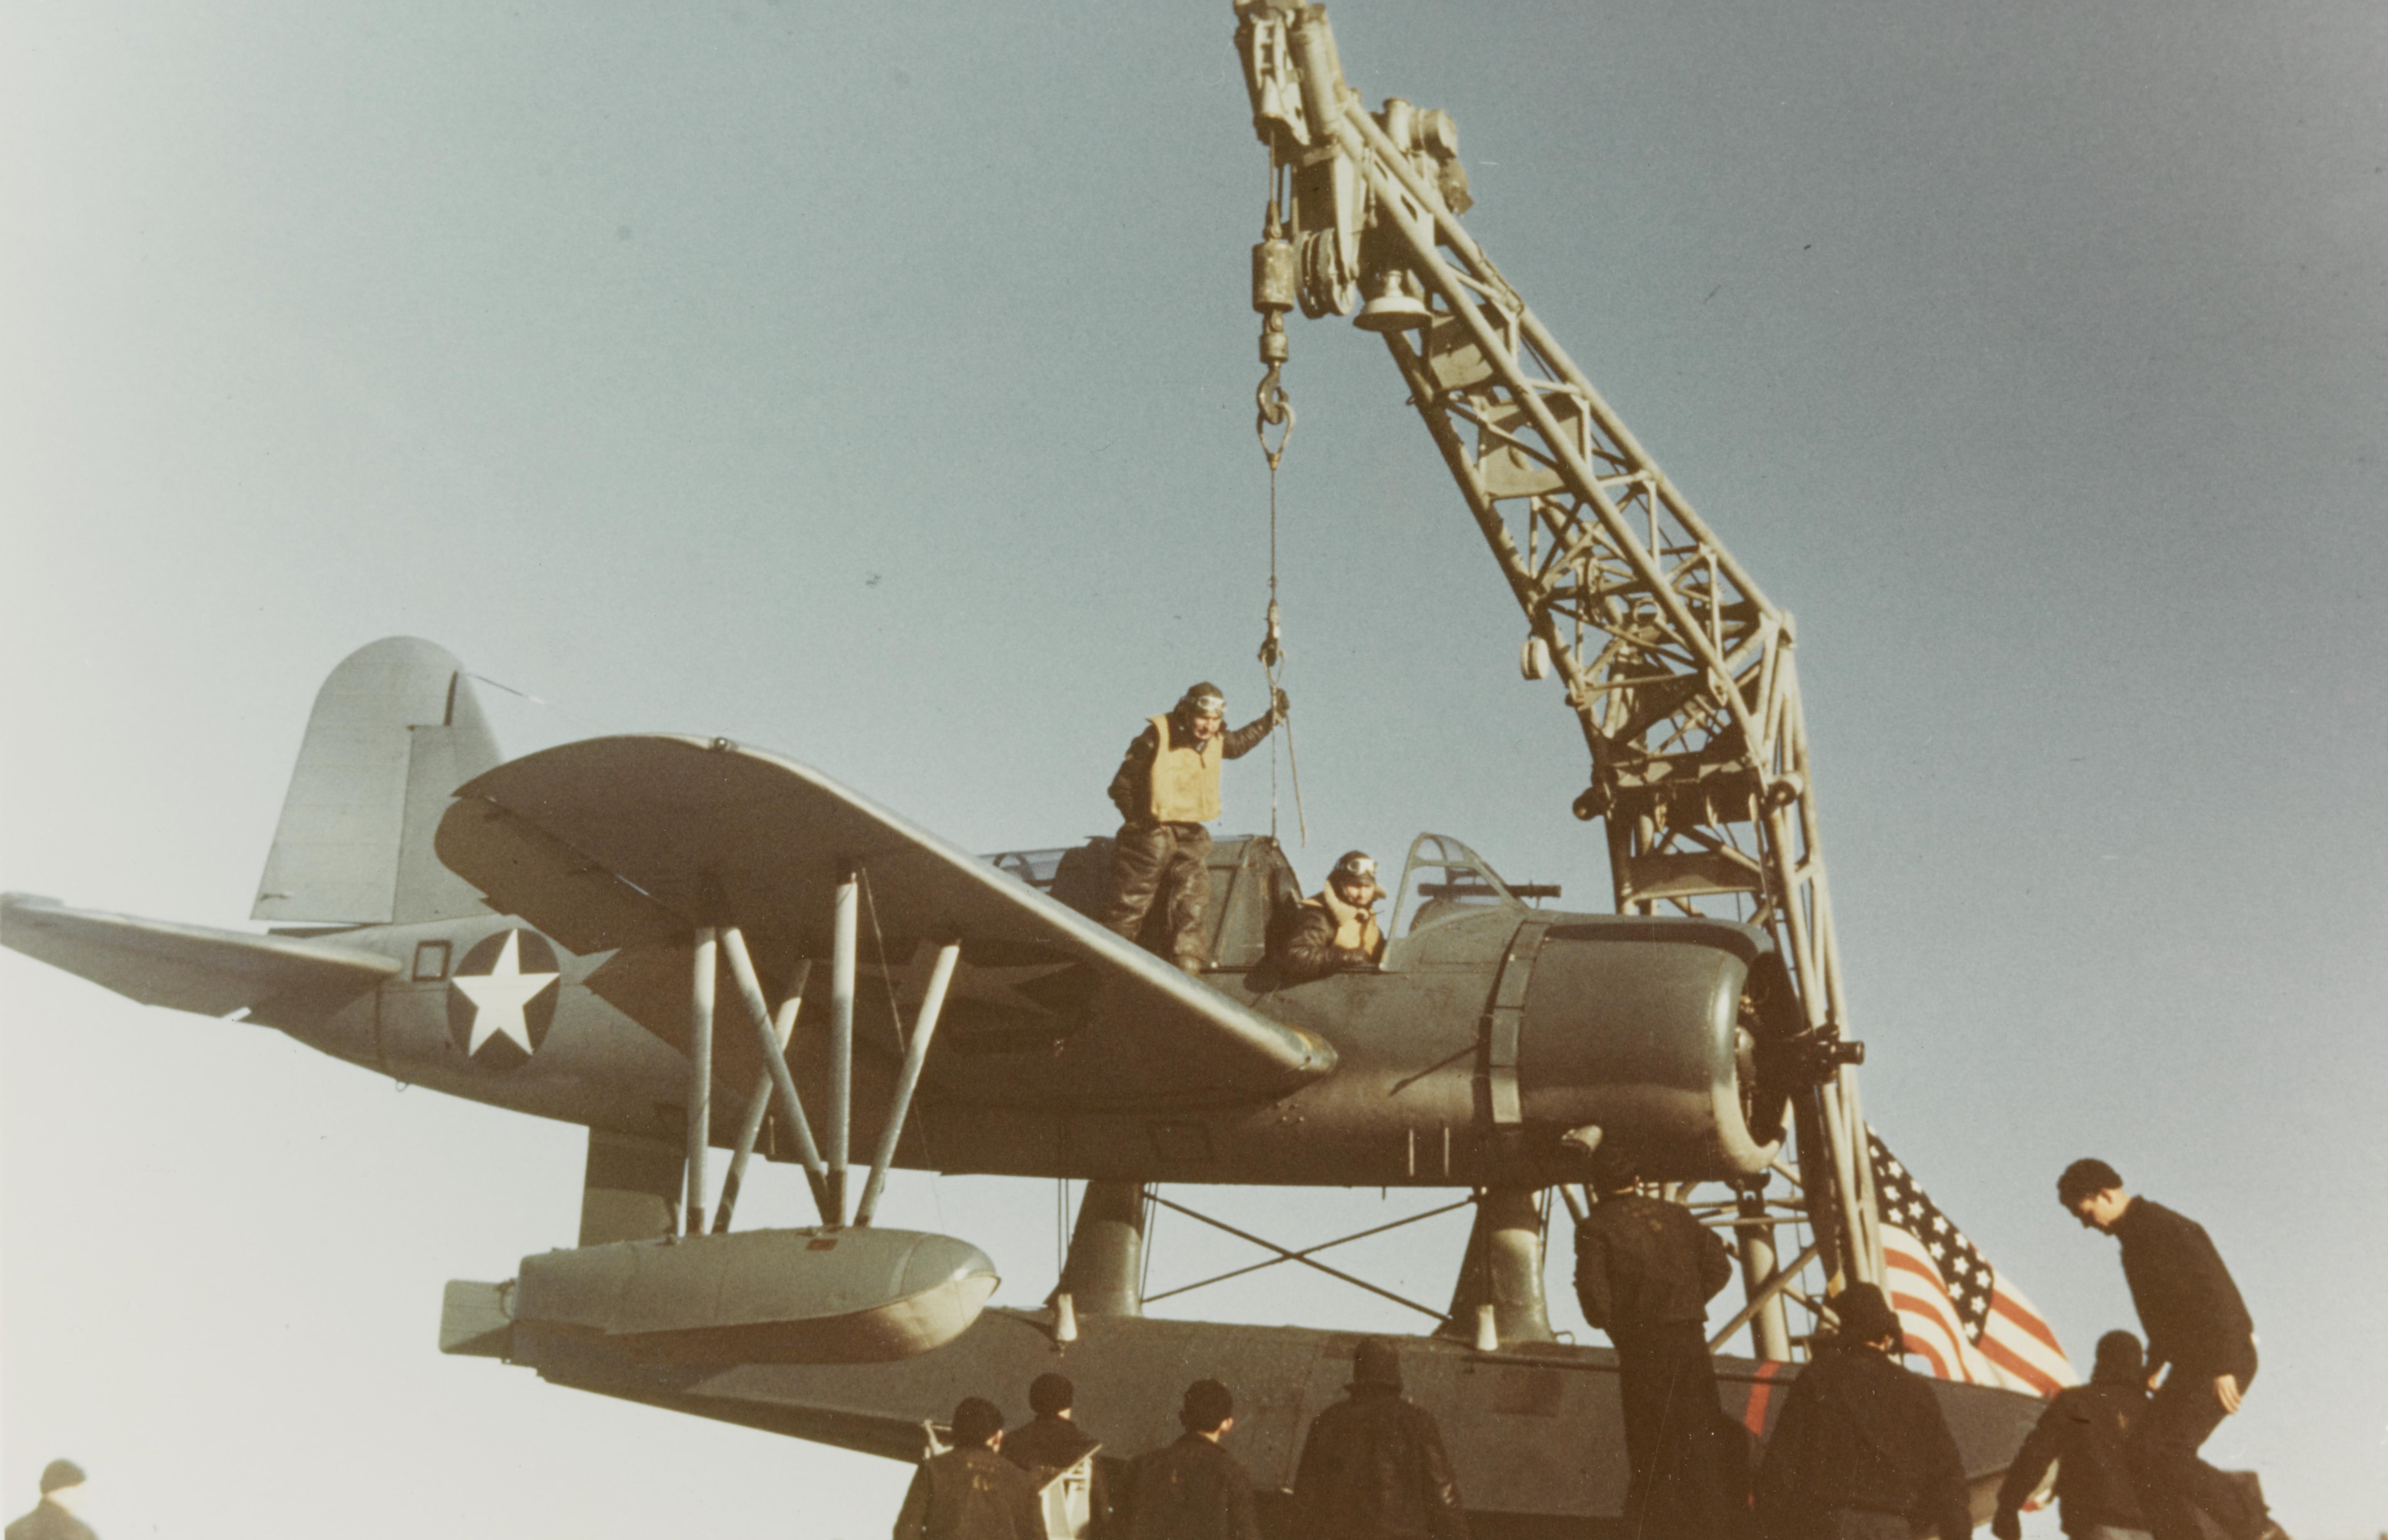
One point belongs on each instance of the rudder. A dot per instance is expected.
(396, 730)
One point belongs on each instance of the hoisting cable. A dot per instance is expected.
(1273, 287)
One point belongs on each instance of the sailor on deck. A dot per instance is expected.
(1051, 1442)
(1862, 1451)
(2198, 1325)
(2086, 1434)
(971, 1492)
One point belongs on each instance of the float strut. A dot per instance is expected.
(915, 1053)
(775, 1035)
(700, 1074)
(845, 937)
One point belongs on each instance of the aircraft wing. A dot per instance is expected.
(279, 980)
(629, 842)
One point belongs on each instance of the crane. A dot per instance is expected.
(1682, 674)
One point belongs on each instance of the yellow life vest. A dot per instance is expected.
(1185, 778)
(1356, 928)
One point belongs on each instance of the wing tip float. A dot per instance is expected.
(613, 842)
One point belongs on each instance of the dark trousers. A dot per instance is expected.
(1668, 1382)
(1163, 867)
(2181, 1415)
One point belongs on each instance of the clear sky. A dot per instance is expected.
(873, 384)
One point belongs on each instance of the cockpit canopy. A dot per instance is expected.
(1443, 881)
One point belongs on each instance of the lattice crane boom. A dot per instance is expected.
(1681, 672)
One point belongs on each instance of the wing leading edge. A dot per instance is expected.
(629, 842)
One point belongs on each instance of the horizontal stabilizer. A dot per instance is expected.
(279, 980)
(622, 841)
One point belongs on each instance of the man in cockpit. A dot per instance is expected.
(1166, 790)
(1333, 930)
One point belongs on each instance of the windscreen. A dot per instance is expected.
(1443, 879)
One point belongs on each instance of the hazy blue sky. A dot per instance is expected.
(874, 383)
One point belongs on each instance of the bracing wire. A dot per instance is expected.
(1151, 1223)
(887, 975)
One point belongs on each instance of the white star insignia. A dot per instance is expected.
(500, 995)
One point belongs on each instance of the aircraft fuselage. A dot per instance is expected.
(1622, 1024)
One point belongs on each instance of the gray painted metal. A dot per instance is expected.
(617, 842)
(1641, 1040)
(703, 977)
(395, 731)
(630, 1188)
(1504, 1024)
(775, 1296)
(915, 1053)
(474, 1319)
(845, 933)
(772, 1036)
(1535, 1434)
(1104, 1272)
(759, 1104)
(280, 981)
(1503, 1271)
(1759, 1265)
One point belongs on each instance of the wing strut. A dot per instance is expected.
(827, 1182)
(700, 1073)
(775, 1064)
(775, 1046)
(846, 930)
(915, 1053)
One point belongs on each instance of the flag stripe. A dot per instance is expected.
(2004, 1305)
(2000, 1354)
(1958, 1315)
(1906, 1261)
(1941, 1346)
(1921, 1342)
(1761, 1391)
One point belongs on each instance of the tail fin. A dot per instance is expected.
(396, 730)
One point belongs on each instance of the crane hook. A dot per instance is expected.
(1277, 411)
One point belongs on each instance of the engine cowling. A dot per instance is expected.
(1650, 1029)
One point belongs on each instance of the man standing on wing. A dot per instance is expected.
(2196, 1323)
(1167, 788)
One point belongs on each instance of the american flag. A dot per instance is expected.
(1957, 1314)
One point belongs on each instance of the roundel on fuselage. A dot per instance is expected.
(502, 999)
